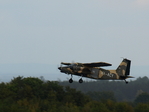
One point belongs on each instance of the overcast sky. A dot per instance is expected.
(51, 31)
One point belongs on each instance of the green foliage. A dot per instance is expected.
(95, 106)
(35, 95)
(142, 98)
(142, 107)
(121, 90)
(101, 96)
(110, 105)
(123, 107)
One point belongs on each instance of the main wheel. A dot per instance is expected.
(81, 81)
(70, 80)
(126, 82)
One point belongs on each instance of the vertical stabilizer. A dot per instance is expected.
(124, 68)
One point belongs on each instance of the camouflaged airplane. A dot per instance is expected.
(93, 70)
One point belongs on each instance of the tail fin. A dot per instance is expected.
(124, 68)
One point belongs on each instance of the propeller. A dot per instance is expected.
(59, 67)
(72, 65)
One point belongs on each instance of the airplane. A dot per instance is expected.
(94, 70)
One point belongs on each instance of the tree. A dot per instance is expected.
(95, 106)
(142, 107)
(142, 98)
(102, 96)
(35, 95)
(123, 107)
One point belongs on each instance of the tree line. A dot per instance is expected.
(121, 90)
(37, 95)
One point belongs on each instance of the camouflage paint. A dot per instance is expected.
(88, 70)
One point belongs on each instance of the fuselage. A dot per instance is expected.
(91, 72)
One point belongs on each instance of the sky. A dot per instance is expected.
(51, 31)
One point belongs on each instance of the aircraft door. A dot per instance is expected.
(94, 72)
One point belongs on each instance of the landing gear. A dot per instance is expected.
(126, 82)
(70, 80)
(81, 81)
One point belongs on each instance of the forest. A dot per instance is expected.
(33, 94)
(121, 90)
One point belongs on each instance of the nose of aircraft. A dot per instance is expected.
(59, 68)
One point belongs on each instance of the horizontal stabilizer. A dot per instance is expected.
(125, 77)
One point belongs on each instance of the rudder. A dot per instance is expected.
(124, 68)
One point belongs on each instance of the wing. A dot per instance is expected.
(96, 64)
(66, 63)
